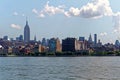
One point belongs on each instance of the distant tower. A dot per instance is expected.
(26, 32)
(90, 39)
(35, 38)
(95, 39)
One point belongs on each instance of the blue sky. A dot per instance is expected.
(61, 18)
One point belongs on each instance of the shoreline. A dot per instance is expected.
(59, 56)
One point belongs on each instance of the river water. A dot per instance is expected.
(59, 68)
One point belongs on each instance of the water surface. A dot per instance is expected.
(59, 68)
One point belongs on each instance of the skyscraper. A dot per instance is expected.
(69, 44)
(95, 39)
(26, 32)
(90, 39)
(35, 38)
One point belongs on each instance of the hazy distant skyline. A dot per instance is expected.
(61, 18)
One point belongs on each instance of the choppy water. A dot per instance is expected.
(59, 68)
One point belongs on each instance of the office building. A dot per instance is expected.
(69, 44)
(26, 33)
(54, 45)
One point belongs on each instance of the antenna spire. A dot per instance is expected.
(26, 21)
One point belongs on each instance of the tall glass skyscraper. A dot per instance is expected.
(26, 32)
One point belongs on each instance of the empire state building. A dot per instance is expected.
(26, 32)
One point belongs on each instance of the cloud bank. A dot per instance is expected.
(94, 10)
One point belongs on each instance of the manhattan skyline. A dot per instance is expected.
(61, 19)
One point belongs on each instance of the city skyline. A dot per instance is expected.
(61, 19)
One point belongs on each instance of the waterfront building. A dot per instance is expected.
(3, 52)
(58, 45)
(15, 50)
(26, 33)
(54, 45)
(83, 45)
(42, 48)
(69, 44)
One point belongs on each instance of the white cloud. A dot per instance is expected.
(67, 14)
(74, 11)
(41, 15)
(94, 9)
(103, 34)
(49, 10)
(15, 13)
(15, 26)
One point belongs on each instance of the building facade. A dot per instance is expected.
(54, 45)
(69, 44)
